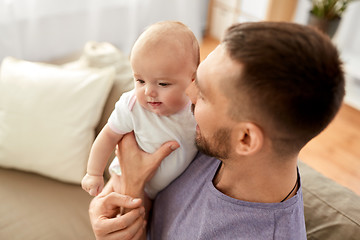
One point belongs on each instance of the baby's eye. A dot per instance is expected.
(164, 84)
(140, 81)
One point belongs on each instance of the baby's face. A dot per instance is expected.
(161, 78)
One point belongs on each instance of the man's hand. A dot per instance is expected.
(107, 224)
(137, 166)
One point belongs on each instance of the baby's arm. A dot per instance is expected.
(101, 150)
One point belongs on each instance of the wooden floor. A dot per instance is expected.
(336, 151)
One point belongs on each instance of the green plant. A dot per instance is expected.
(329, 9)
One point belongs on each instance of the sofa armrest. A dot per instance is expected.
(331, 210)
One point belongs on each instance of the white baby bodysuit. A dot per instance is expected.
(151, 131)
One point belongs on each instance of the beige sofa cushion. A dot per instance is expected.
(332, 212)
(34, 207)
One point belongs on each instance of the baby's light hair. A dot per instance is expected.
(171, 31)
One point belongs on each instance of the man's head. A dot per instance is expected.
(164, 60)
(281, 82)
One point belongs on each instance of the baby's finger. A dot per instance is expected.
(93, 192)
(99, 190)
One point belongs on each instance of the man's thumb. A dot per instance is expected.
(165, 150)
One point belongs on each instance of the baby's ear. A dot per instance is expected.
(249, 138)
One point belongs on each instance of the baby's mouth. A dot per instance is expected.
(154, 104)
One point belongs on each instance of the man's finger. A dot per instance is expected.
(118, 200)
(124, 224)
(135, 230)
(125, 221)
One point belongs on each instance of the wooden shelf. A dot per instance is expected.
(223, 13)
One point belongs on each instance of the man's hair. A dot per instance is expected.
(291, 77)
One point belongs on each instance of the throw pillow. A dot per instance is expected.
(48, 116)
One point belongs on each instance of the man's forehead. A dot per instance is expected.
(217, 71)
(208, 70)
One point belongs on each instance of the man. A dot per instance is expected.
(259, 97)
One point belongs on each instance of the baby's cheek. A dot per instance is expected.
(179, 102)
(141, 99)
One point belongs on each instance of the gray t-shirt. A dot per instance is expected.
(192, 208)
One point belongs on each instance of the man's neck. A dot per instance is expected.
(257, 181)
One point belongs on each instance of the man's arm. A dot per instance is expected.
(138, 167)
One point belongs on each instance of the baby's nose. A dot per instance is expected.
(150, 91)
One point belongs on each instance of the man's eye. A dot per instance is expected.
(164, 84)
(140, 81)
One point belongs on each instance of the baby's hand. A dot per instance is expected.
(92, 184)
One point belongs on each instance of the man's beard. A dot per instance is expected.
(218, 146)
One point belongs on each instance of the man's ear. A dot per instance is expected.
(249, 138)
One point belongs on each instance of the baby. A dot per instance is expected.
(164, 61)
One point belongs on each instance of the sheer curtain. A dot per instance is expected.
(40, 30)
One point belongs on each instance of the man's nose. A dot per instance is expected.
(150, 91)
(191, 92)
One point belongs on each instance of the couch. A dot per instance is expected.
(39, 200)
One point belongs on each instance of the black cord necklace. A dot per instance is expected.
(297, 181)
